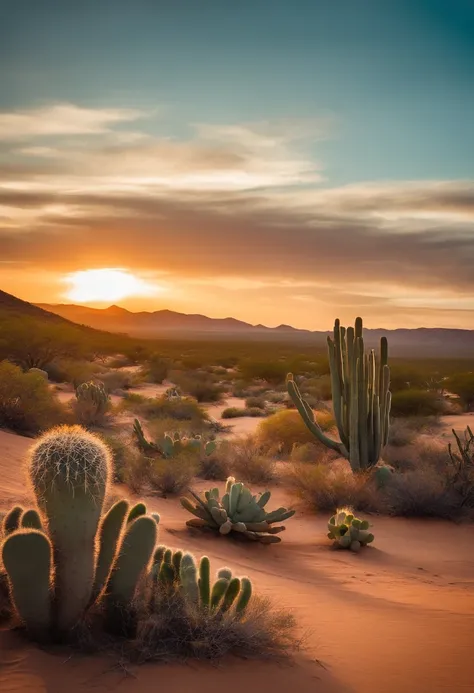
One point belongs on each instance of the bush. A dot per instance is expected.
(157, 369)
(417, 403)
(200, 386)
(215, 467)
(255, 403)
(236, 412)
(421, 493)
(182, 409)
(462, 385)
(69, 371)
(136, 474)
(247, 460)
(424, 451)
(172, 476)
(117, 380)
(325, 488)
(286, 428)
(27, 405)
(310, 452)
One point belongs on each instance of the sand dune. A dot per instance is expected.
(396, 618)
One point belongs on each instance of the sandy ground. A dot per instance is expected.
(396, 618)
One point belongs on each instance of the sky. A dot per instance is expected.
(277, 161)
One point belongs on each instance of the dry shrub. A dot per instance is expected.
(311, 452)
(247, 460)
(124, 454)
(118, 380)
(421, 493)
(172, 476)
(424, 451)
(324, 488)
(255, 403)
(174, 631)
(88, 414)
(136, 474)
(182, 409)
(404, 431)
(286, 428)
(27, 404)
(215, 467)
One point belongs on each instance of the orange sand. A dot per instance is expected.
(396, 618)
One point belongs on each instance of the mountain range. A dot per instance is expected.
(429, 342)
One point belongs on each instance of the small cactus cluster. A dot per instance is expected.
(175, 572)
(75, 554)
(95, 395)
(360, 395)
(347, 531)
(171, 445)
(237, 511)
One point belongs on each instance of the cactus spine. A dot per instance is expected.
(360, 395)
(69, 470)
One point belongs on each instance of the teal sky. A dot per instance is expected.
(362, 94)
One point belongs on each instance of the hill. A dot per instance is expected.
(421, 342)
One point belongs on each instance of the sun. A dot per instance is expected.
(105, 285)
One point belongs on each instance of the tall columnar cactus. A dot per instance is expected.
(237, 511)
(95, 395)
(69, 469)
(360, 395)
(347, 531)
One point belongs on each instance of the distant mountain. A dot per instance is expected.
(11, 305)
(428, 342)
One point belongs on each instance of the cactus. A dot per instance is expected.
(31, 520)
(135, 554)
(137, 510)
(195, 585)
(347, 531)
(109, 536)
(26, 556)
(69, 470)
(172, 444)
(238, 511)
(96, 397)
(461, 466)
(11, 521)
(360, 395)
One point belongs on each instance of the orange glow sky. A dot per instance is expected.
(333, 179)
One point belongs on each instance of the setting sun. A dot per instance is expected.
(99, 285)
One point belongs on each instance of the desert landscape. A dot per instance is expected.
(395, 615)
(236, 346)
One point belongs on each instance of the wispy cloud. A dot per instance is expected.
(61, 119)
(240, 208)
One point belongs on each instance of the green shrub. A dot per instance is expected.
(462, 385)
(416, 403)
(27, 405)
(200, 386)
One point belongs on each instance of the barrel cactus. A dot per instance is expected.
(347, 531)
(237, 511)
(75, 553)
(360, 395)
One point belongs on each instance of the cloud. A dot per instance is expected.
(61, 119)
(239, 210)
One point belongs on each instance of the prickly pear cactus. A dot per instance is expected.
(171, 445)
(237, 511)
(347, 531)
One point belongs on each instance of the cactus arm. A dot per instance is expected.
(109, 537)
(309, 419)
